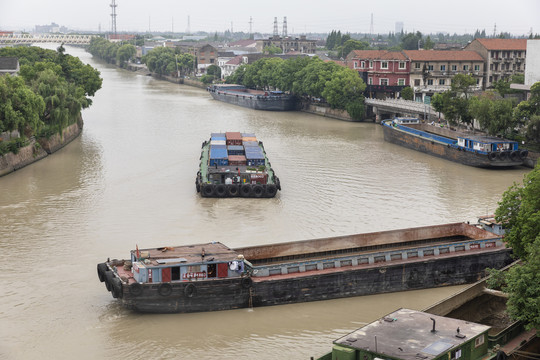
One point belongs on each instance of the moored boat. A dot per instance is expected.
(478, 151)
(211, 276)
(254, 99)
(235, 164)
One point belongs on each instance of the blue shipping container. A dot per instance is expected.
(222, 147)
(219, 135)
(248, 135)
(219, 156)
(255, 159)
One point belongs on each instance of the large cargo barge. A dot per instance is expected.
(253, 99)
(235, 164)
(477, 151)
(212, 276)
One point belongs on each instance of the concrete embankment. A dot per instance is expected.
(39, 149)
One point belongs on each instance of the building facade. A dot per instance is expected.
(385, 72)
(432, 70)
(502, 57)
(288, 44)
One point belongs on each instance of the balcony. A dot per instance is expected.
(384, 88)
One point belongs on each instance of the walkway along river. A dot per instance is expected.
(128, 179)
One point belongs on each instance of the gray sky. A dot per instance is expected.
(454, 16)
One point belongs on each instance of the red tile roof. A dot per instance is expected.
(504, 44)
(377, 55)
(442, 55)
(246, 42)
(237, 60)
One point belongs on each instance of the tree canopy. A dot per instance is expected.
(519, 213)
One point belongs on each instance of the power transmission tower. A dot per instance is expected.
(113, 17)
(284, 26)
(250, 27)
(188, 26)
(232, 28)
(371, 26)
(276, 33)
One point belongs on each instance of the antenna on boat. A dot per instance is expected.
(433, 330)
(202, 254)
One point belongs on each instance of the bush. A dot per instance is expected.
(356, 110)
(207, 79)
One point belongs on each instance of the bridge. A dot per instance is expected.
(13, 39)
(384, 109)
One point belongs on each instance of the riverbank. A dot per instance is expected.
(39, 149)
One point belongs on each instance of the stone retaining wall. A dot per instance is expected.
(40, 149)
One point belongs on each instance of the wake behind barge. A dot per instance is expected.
(211, 276)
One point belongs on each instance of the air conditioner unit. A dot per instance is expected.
(444, 73)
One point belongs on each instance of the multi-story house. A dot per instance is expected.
(502, 57)
(432, 70)
(385, 72)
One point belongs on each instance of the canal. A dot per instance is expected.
(129, 180)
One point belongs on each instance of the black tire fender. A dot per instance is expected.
(258, 190)
(514, 156)
(208, 190)
(190, 290)
(492, 156)
(221, 190)
(117, 288)
(165, 289)
(135, 289)
(271, 190)
(232, 190)
(523, 154)
(101, 270)
(109, 276)
(245, 190)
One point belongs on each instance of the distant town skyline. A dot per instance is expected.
(459, 16)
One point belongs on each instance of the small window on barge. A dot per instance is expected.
(175, 273)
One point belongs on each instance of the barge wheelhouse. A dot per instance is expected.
(478, 151)
(253, 99)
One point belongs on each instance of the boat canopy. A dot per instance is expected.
(406, 121)
(486, 144)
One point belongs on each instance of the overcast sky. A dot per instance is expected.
(453, 16)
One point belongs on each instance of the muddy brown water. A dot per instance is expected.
(129, 180)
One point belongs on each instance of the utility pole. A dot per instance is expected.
(188, 26)
(250, 27)
(371, 27)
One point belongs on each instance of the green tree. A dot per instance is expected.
(124, 54)
(428, 44)
(356, 109)
(345, 87)
(351, 45)
(533, 129)
(20, 107)
(411, 41)
(214, 70)
(207, 79)
(519, 212)
(407, 93)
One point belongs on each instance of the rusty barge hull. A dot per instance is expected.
(329, 268)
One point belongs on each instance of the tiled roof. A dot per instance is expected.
(377, 55)
(243, 43)
(8, 63)
(442, 55)
(504, 44)
(237, 60)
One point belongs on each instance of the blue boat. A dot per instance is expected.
(478, 151)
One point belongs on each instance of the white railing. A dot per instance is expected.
(45, 38)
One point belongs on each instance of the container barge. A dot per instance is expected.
(478, 151)
(212, 276)
(253, 99)
(235, 164)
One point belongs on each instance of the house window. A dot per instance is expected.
(362, 64)
(371, 64)
(383, 82)
(465, 67)
(401, 82)
(455, 354)
(370, 81)
(476, 67)
(356, 64)
(417, 65)
(443, 67)
(384, 65)
(402, 64)
(430, 67)
(416, 82)
(430, 82)
(479, 341)
(454, 67)
(441, 81)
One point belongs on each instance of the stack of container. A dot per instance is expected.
(233, 138)
(218, 150)
(254, 156)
